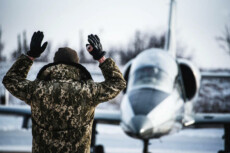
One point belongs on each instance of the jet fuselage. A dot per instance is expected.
(153, 98)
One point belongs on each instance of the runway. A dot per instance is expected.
(204, 140)
(208, 140)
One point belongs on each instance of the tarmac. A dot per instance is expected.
(114, 140)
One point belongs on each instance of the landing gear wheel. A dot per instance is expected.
(226, 138)
(223, 151)
(99, 149)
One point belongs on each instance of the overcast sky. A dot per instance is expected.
(115, 21)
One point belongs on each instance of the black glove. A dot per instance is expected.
(97, 52)
(35, 45)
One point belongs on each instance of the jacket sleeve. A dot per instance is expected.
(113, 84)
(15, 79)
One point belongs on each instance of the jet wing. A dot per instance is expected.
(101, 116)
(107, 116)
(23, 111)
(211, 118)
(215, 75)
(96, 73)
(15, 110)
(208, 118)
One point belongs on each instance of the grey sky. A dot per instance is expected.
(198, 23)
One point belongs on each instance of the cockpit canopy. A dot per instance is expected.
(153, 68)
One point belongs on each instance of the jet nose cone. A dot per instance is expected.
(141, 125)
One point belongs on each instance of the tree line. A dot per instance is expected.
(141, 41)
(22, 48)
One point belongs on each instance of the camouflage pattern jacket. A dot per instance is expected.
(62, 99)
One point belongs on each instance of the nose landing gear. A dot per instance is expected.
(146, 145)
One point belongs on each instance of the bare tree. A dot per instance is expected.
(45, 55)
(134, 47)
(141, 42)
(156, 41)
(224, 40)
(17, 52)
(2, 58)
(25, 45)
(22, 48)
(83, 58)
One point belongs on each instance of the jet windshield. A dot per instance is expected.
(153, 68)
(152, 77)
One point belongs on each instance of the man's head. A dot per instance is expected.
(66, 55)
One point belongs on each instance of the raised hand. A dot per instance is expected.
(35, 45)
(94, 47)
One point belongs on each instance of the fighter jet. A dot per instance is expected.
(158, 87)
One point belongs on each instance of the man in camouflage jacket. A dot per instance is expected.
(63, 97)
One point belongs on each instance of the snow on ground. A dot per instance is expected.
(201, 140)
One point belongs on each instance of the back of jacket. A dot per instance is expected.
(62, 99)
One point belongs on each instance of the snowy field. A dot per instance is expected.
(203, 140)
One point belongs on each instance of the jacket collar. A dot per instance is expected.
(83, 70)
